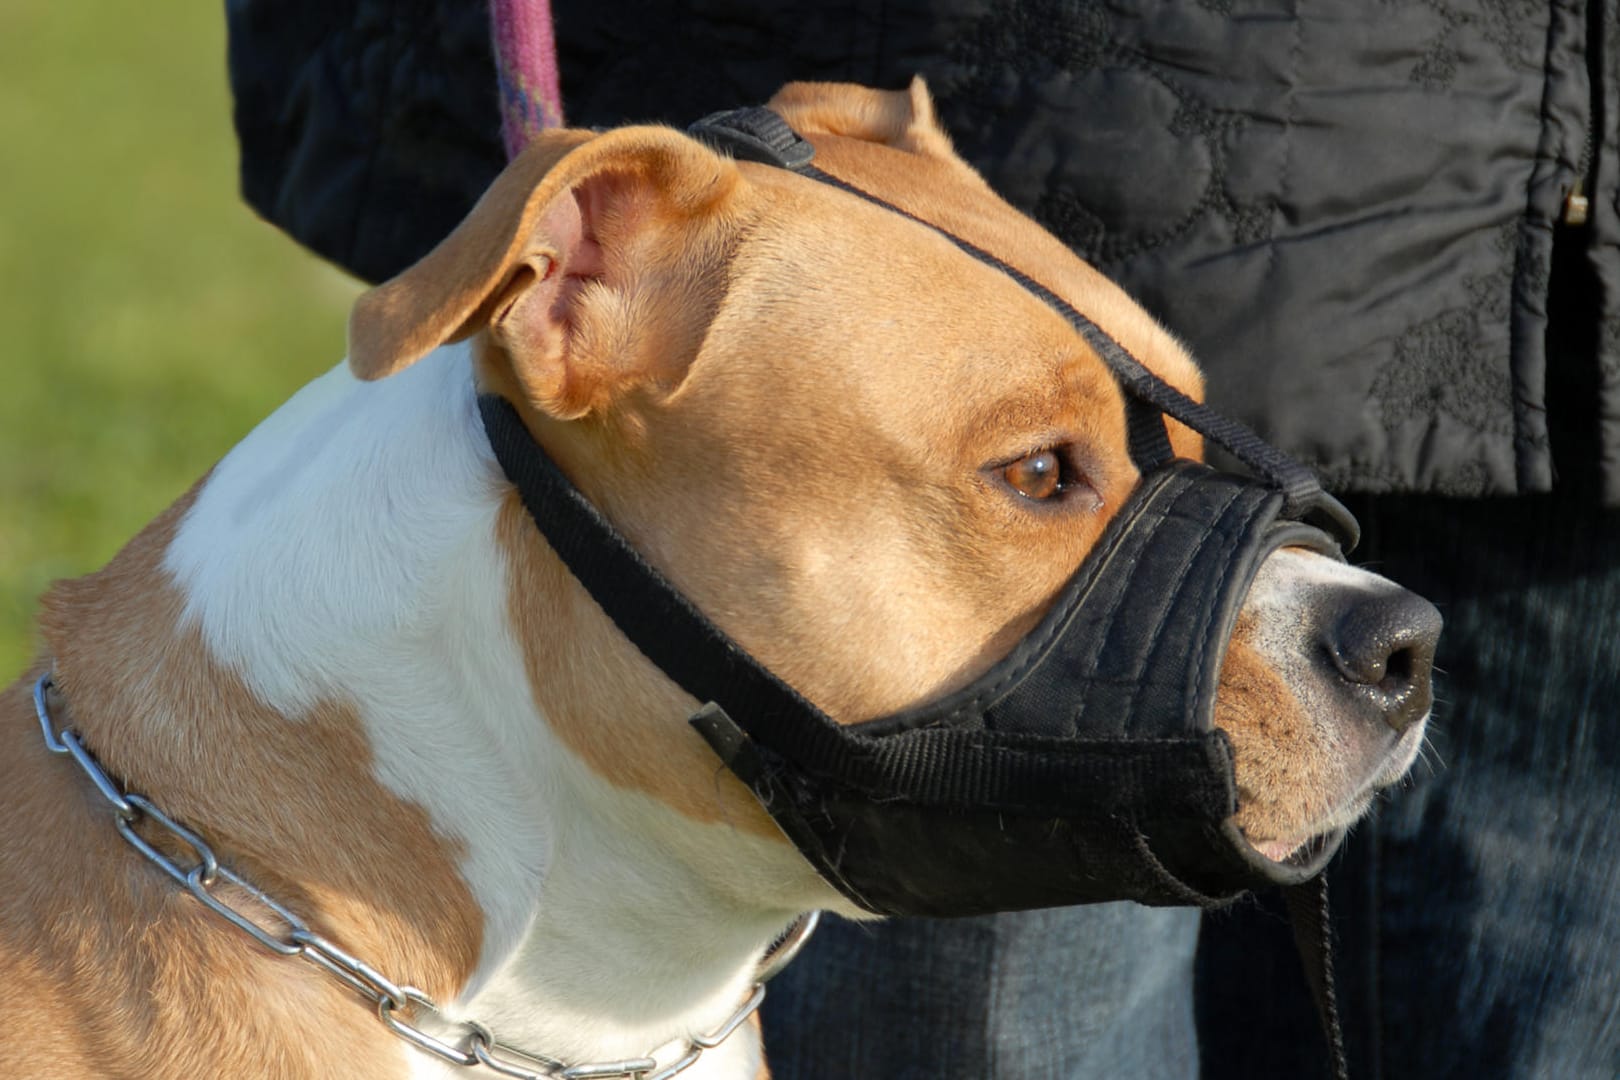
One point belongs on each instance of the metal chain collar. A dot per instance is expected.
(402, 1008)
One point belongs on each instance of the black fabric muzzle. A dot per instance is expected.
(1085, 765)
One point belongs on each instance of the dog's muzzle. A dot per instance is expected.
(1085, 765)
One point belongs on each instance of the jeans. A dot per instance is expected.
(1479, 911)
(1098, 991)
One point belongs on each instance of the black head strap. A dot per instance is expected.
(757, 134)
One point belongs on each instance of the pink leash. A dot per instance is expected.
(526, 67)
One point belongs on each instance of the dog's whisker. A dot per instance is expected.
(1429, 754)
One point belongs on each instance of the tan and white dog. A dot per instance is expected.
(347, 659)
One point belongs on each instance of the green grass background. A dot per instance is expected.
(147, 318)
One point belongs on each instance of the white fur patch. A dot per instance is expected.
(346, 550)
(342, 551)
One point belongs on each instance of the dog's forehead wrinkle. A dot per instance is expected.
(869, 247)
(890, 357)
(1020, 340)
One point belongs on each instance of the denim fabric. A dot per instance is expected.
(1099, 991)
(1479, 913)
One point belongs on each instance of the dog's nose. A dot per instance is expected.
(1385, 642)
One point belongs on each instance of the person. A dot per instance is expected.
(1390, 235)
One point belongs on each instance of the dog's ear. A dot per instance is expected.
(562, 260)
(903, 119)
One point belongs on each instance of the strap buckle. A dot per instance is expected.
(754, 133)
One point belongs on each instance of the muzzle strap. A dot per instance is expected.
(938, 767)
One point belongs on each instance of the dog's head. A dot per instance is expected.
(870, 459)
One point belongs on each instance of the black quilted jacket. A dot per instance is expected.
(1348, 209)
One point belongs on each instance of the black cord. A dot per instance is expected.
(1313, 934)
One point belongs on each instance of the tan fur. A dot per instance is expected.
(397, 323)
(105, 958)
(625, 735)
(529, 234)
(1281, 764)
(904, 121)
(933, 183)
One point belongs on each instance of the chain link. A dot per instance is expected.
(403, 1009)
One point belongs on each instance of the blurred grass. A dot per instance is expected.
(149, 319)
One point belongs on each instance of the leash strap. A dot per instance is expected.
(525, 51)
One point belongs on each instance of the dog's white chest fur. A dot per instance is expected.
(345, 550)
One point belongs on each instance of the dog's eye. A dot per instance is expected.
(1036, 476)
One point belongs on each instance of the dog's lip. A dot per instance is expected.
(1303, 847)
(1296, 852)
(1277, 850)
(1297, 847)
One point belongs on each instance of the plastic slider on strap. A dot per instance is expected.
(754, 133)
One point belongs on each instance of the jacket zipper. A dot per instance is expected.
(1576, 204)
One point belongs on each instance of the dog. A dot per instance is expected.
(347, 662)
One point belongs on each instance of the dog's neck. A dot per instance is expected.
(341, 567)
